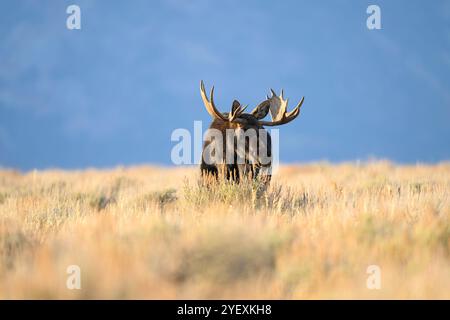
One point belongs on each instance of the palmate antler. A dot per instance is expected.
(278, 110)
(277, 107)
(212, 110)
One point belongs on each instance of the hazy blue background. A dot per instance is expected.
(112, 92)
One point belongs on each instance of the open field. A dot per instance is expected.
(147, 232)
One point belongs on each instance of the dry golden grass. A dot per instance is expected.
(146, 232)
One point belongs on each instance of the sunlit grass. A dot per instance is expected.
(146, 232)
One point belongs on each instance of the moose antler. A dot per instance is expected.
(212, 110)
(278, 110)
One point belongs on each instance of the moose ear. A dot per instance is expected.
(234, 106)
(261, 110)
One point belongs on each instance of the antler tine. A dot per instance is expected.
(286, 117)
(204, 97)
(296, 110)
(212, 110)
(284, 104)
(210, 106)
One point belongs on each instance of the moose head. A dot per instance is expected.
(236, 143)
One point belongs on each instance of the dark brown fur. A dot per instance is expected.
(233, 171)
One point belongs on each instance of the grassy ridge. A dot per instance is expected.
(146, 232)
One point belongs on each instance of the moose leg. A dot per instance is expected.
(208, 171)
(232, 173)
(265, 175)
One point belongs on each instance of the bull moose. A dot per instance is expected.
(236, 143)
